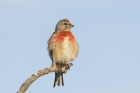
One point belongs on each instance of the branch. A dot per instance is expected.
(45, 71)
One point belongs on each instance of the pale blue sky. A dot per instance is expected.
(108, 33)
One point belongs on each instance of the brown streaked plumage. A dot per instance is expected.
(62, 48)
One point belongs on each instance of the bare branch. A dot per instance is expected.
(35, 76)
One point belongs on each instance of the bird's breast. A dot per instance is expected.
(66, 48)
(64, 35)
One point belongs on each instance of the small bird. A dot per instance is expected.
(62, 48)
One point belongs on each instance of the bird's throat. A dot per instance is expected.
(63, 35)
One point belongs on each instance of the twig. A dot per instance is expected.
(35, 76)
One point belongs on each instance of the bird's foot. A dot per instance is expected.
(66, 67)
(69, 65)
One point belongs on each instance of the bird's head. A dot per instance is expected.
(64, 25)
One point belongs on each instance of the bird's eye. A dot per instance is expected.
(65, 23)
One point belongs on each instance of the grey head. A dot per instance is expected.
(64, 25)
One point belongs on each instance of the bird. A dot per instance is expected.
(62, 47)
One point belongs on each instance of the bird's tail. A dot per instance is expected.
(58, 79)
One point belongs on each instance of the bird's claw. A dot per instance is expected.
(67, 66)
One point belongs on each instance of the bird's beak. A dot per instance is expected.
(71, 25)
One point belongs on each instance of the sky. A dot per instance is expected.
(108, 33)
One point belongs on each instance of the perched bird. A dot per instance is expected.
(62, 48)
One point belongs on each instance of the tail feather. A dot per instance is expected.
(62, 80)
(58, 79)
